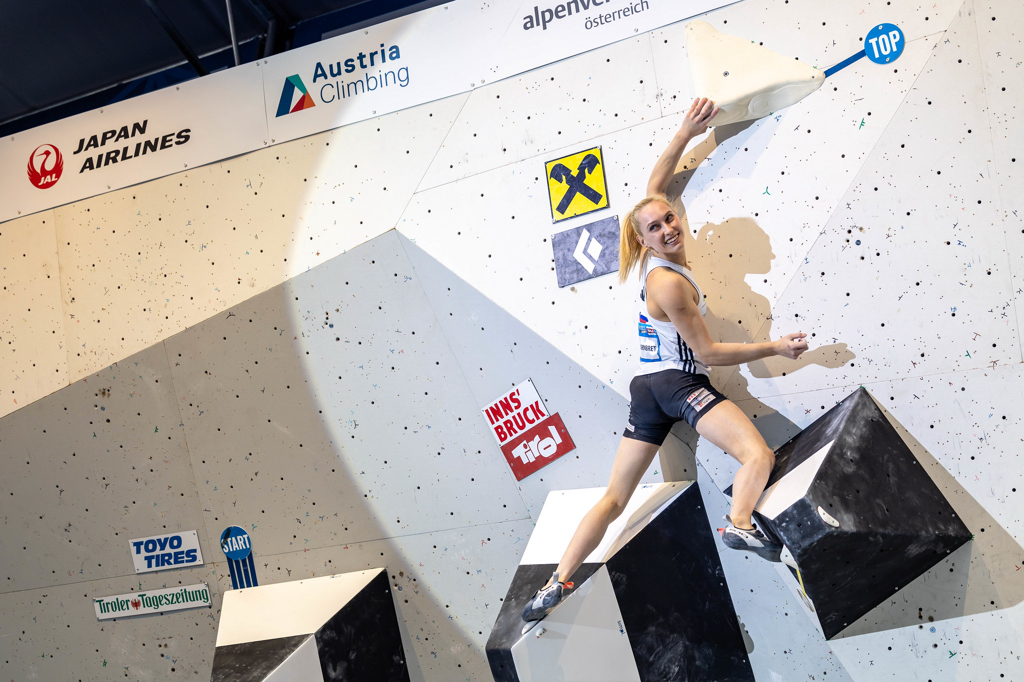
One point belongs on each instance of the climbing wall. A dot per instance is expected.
(299, 341)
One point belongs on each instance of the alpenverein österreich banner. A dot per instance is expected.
(425, 56)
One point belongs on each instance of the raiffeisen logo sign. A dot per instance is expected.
(45, 164)
(293, 86)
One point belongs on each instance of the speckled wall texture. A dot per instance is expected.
(299, 340)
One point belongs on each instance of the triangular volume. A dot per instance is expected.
(871, 481)
(303, 664)
(508, 627)
(746, 81)
(581, 641)
(784, 492)
(869, 521)
(342, 627)
(675, 603)
(254, 661)
(299, 607)
(650, 604)
(362, 642)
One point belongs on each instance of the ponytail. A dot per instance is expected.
(631, 253)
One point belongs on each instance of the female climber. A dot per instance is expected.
(672, 383)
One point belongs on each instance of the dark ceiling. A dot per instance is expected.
(61, 57)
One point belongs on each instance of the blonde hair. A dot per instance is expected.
(631, 253)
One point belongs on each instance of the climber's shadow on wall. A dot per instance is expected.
(722, 256)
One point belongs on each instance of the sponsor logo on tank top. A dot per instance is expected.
(650, 344)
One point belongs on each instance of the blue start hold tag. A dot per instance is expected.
(237, 547)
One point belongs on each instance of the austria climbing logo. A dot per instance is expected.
(45, 164)
(289, 103)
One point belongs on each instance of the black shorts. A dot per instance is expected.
(659, 400)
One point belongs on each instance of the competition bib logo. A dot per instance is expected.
(293, 85)
(650, 344)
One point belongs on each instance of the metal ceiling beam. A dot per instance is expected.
(281, 12)
(231, 27)
(176, 36)
(273, 18)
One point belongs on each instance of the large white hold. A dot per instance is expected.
(746, 81)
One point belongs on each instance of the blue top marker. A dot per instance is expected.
(883, 45)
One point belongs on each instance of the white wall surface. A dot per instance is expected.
(770, 208)
(330, 417)
(33, 340)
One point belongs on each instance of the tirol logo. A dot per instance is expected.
(293, 85)
(45, 164)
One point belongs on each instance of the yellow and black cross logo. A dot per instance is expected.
(576, 184)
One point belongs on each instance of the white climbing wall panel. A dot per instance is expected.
(299, 341)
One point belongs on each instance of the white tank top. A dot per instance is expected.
(661, 346)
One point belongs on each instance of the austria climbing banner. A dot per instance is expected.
(435, 53)
(444, 51)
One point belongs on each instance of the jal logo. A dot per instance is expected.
(294, 97)
(45, 164)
